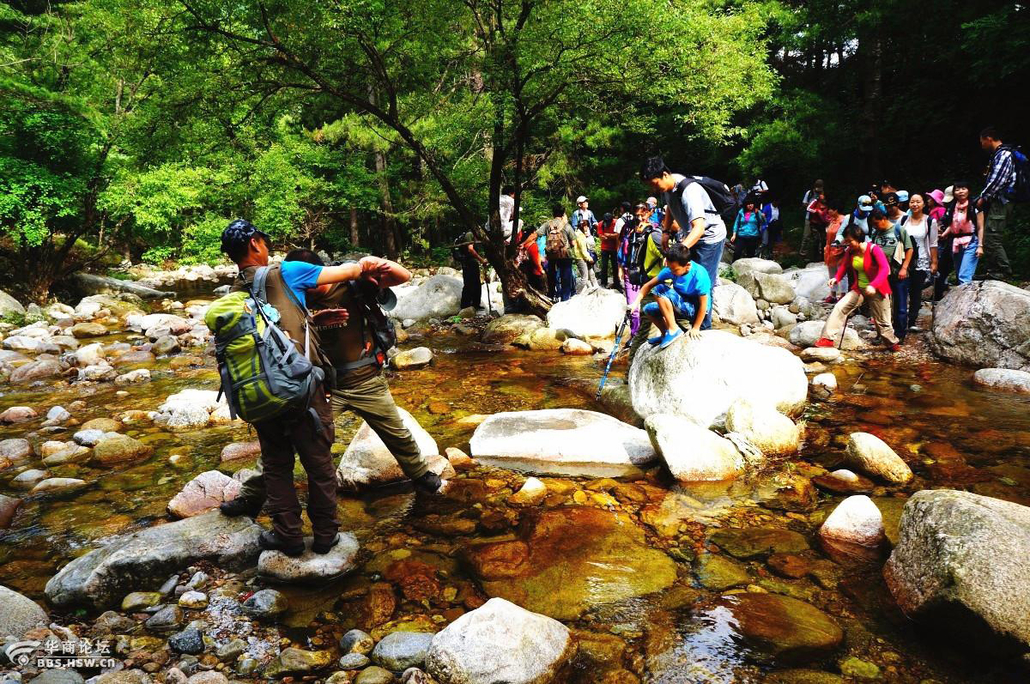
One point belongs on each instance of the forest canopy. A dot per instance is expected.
(137, 128)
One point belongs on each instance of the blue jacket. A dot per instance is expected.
(751, 226)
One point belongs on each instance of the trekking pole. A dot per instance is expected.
(933, 304)
(611, 357)
(844, 331)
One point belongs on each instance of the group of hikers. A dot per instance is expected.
(881, 255)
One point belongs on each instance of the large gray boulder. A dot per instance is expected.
(733, 305)
(772, 287)
(9, 305)
(144, 559)
(90, 284)
(562, 442)
(806, 334)
(593, 314)
(701, 379)
(810, 282)
(367, 461)
(693, 453)
(961, 563)
(752, 265)
(984, 324)
(18, 614)
(437, 297)
(500, 642)
(1003, 379)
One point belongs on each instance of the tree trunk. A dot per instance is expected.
(389, 227)
(355, 237)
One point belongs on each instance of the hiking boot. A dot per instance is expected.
(238, 507)
(670, 337)
(896, 347)
(824, 342)
(324, 547)
(270, 541)
(430, 483)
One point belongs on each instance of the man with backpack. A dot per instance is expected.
(699, 205)
(558, 237)
(273, 307)
(609, 235)
(582, 214)
(995, 201)
(643, 260)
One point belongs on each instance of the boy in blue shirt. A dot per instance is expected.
(683, 290)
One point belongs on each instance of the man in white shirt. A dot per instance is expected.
(700, 226)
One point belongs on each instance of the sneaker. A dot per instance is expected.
(670, 337)
(896, 347)
(324, 547)
(824, 342)
(830, 299)
(238, 507)
(654, 340)
(430, 483)
(270, 541)
(914, 328)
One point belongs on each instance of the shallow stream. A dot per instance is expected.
(594, 548)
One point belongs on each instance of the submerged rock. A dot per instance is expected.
(117, 449)
(266, 603)
(570, 560)
(500, 642)
(39, 369)
(310, 567)
(145, 558)
(789, 630)
(18, 414)
(874, 456)
(192, 409)
(562, 442)
(412, 359)
(296, 661)
(18, 614)
(960, 565)
(984, 324)
(693, 453)
(753, 542)
(8, 507)
(701, 379)
(367, 461)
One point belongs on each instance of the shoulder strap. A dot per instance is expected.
(259, 286)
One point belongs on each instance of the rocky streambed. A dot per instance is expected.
(531, 567)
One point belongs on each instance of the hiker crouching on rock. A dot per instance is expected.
(350, 326)
(869, 274)
(306, 430)
(682, 290)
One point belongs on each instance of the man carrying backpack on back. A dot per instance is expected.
(302, 427)
(995, 202)
(698, 204)
(558, 237)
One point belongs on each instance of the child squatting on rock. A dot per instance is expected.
(682, 290)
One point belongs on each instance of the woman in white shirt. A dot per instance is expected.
(923, 230)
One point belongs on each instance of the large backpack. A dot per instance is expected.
(636, 256)
(263, 375)
(557, 245)
(459, 250)
(1021, 188)
(723, 199)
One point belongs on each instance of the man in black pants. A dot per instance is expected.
(471, 292)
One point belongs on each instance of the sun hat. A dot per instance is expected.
(938, 195)
(581, 199)
(949, 194)
(902, 195)
(652, 201)
(865, 203)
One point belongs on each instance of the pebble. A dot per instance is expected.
(374, 675)
(400, 650)
(189, 641)
(140, 600)
(267, 603)
(231, 651)
(165, 620)
(356, 641)
(354, 661)
(193, 599)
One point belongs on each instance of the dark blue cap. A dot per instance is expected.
(238, 234)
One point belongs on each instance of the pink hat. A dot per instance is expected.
(938, 196)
